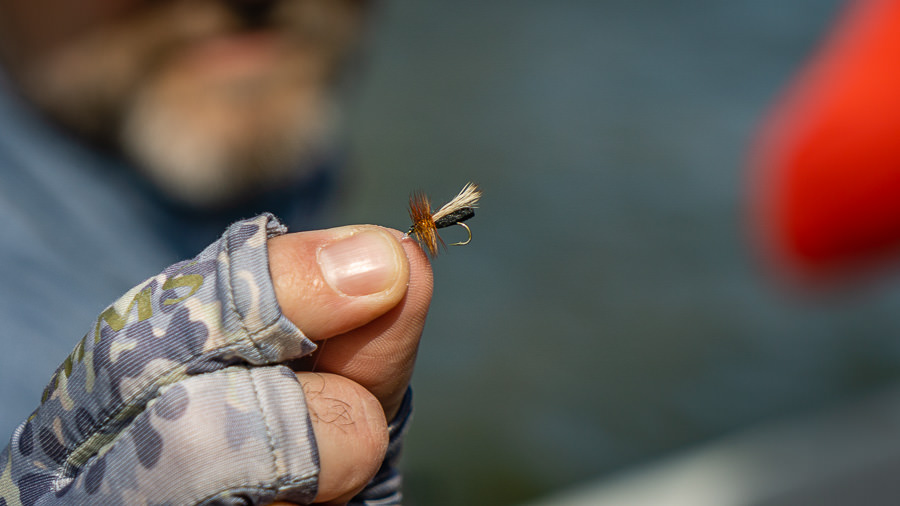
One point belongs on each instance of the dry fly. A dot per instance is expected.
(425, 223)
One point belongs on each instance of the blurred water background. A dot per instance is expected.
(609, 310)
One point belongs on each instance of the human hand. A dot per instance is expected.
(176, 394)
(363, 295)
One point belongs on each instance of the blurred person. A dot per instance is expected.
(132, 133)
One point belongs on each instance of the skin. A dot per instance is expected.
(370, 344)
(211, 99)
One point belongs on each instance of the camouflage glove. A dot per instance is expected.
(174, 396)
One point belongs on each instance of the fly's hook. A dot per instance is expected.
(467, 241)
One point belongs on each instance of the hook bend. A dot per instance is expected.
(467, 241)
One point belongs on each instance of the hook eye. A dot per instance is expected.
(467, 241)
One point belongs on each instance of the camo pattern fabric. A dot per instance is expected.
(175, 395)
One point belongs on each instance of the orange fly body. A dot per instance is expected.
(426, 223)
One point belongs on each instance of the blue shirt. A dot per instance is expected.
(79, 227)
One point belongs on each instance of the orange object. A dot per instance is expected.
(825, 170)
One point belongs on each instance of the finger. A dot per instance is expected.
(380, 355)
(331, 281)
(351, 434)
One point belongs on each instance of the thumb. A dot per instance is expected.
(328, 282)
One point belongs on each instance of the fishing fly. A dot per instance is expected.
(426, 223)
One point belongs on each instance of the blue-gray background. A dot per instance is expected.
(609, 310)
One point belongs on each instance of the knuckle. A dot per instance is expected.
(350, 429)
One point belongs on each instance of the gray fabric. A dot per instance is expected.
(160, 403)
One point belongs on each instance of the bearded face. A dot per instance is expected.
(212, 99)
